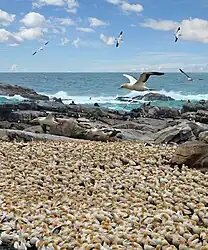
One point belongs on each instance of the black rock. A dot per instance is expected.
(11, 90)
(156, 97)
(195, 106)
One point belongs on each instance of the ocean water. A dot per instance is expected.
(103, 88)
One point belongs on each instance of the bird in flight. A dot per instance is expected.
(139, 85)
(119, 39)
(41, 48)
(177, 34)
(188, 77)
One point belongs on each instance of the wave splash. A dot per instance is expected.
(178, 96)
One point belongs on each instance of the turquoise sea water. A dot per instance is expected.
(103, 88)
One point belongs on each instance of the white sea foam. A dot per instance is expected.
(15, 97)
(178, 96)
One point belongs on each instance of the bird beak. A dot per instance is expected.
(34, 120)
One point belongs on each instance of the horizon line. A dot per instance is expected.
(48, 72)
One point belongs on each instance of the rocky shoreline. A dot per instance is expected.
(147, 124)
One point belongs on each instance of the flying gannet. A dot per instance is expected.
(41, 48)
(177, 34)
(139, 85)
(119, 39)
(188, 77)
(46, 121)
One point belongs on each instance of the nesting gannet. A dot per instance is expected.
(46, 121)
(139, 85)
(41, 48)
(177, 34)
(188, 77)
(119, 39)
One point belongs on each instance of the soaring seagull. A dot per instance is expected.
(139, 85)
(177, 34)
(41, 48)
(46, 121)
(119, 39)
(188, 77)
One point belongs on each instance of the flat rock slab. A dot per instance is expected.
(10, 134)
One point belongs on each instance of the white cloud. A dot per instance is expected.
(59, 30)
(95, 22)
(31, 33)
(64, 41)
(13, 68)
(40, 3)
(66, 21)
(87, 30)
(76, 42)
(9, 38)
(165, 25)
(71, 5)
(151, 61)
(73, 11)
(6, 18)
(33, 19)
(127, 7)
(191, 29)
(131, 7)
(108, 40)
(116, 2)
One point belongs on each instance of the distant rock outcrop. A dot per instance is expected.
(146, 97)
(156, 97)
(12, 90)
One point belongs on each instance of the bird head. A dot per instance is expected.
(123, 86)
(35, 120)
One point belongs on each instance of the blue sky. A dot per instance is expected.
(81, 35)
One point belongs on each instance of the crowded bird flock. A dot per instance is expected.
(60, 195)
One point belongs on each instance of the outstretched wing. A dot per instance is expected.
(41, 48)
(184, 73)
(132, 80)
(145, 76)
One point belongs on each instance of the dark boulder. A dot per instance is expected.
(156, 97)
(195, 106)
(192, 153)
